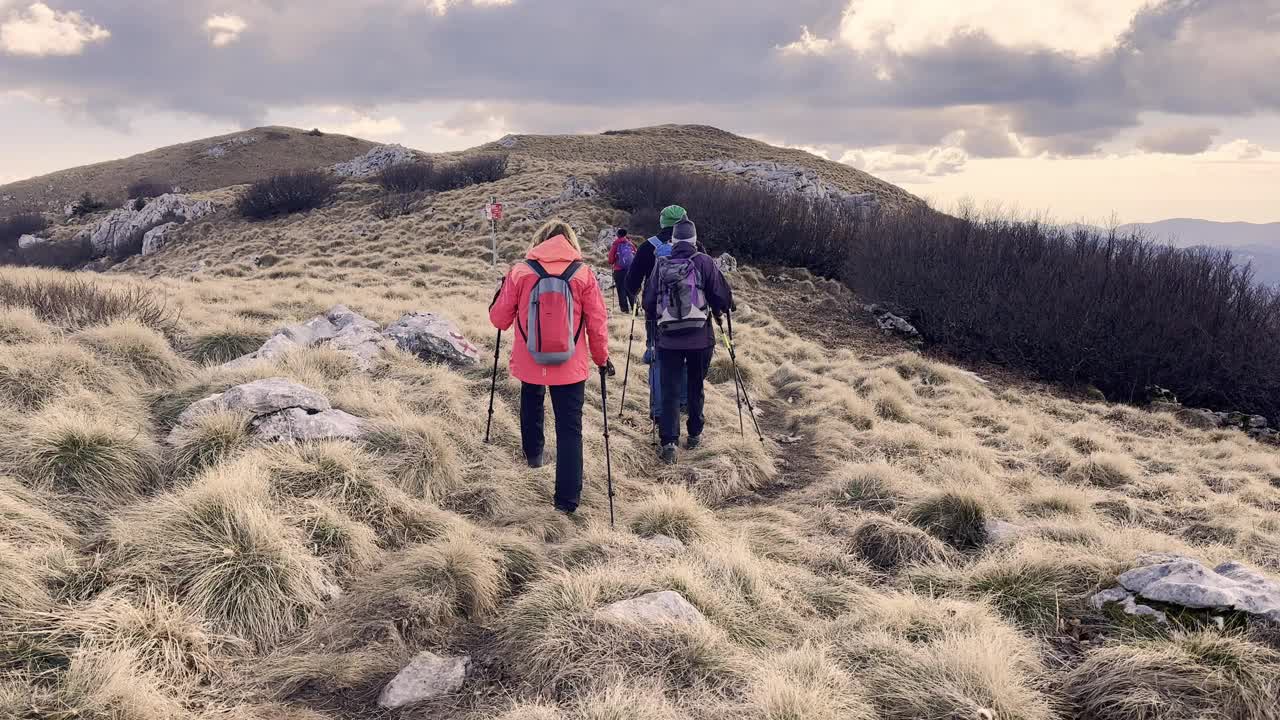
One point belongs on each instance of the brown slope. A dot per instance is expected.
(692, 143)
(189, 165)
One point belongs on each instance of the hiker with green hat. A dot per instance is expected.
(641, 268)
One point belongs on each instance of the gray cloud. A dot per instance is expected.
(1178, 140)
(586, 64)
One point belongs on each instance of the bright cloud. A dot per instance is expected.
(366, 126)
(808, 44)
(40, 31)
(224, 29)
(1085, 27)
(895, 165)
(442, 6)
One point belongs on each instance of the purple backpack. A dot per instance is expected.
(682, 299)
(625, 256)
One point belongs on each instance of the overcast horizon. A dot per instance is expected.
(1084, 109)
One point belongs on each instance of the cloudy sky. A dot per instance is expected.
(1082, 108)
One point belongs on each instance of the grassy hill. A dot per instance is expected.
(206, 164)
(909, 541)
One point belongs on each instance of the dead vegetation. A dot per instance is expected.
(845, 568)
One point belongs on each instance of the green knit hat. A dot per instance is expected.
(671, 215)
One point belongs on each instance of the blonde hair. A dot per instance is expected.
(553, 228)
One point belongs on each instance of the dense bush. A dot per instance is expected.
(287, 193)
(1075, 306)
(12, 228)
(147, 188)
(86, 205)
(64, 255)
(408, 177)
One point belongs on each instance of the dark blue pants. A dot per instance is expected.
(625, 301)
(566, 402)
(691, 365)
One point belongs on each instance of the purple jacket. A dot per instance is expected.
(719, 297)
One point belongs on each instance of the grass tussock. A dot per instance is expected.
(226, 555)
(87, 456)
(207, 441)
(73, 302)
(1186, 676)
(418, 454)
(232, 339)
(20, 325)
(32, 375)
(1107, 470)
(957, 517)
(675, 513)
(889, 545)
(137, 349)
(26, 519)
(873, 487)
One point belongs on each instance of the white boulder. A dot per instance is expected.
(298, 425)
(375, 161)
(1177, 580)
(604, 280)
(432, 337)
(339, 328)
(657, 607)
(155, 238)
(27, 241)
(727, 263)
(427, 676)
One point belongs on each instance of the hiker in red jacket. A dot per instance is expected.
(551, 347)
(621, 254)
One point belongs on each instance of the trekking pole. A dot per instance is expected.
(737, 390)
(493, 383)
(626, 374)
(608, 458)
(733, 358)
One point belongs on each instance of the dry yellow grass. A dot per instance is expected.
(843, 566)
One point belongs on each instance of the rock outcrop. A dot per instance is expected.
(339, 328)
(156, 238)
(127, 227)
(1181, 581)
(656, 607)
(727, 263)
(794, 180)
(278, 410)
(894, 323)
(604, 280)
(375, 161)
(432, 337)
(221, 149)
(427, 676)
(27, 241)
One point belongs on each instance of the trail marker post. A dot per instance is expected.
(493, 211)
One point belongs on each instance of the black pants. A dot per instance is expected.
(625, 301)
(673, 365)
(566, 402)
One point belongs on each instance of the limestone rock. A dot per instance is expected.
(1177, 580)
(221, 149)
(298, 425)
(427, 676)
(508, 141)
(1128, 604)
(604, 280)
(339, 328)
(890, 321)
(604, 239)
(794, 180)
(656, 607)
(262, 397)
(576, 188)
(432, 337)
(727, 263)
(27, 241)
(125, 227)
(666, 543)
(1196, 418)
(375, 161)
(154, 239)
(1000, 531)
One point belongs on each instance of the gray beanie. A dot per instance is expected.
(685, 231)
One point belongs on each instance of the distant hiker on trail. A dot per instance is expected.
(621, 255)
(558, 310)
(684, 291)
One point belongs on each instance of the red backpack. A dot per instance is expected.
(549, 333)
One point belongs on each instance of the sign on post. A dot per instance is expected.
(493, 211)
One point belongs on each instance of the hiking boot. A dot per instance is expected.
(535, 461)
(693, 442)
(668, 453)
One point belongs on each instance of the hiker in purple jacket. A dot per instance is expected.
(683, 293)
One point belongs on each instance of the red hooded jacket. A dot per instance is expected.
(555, 255)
